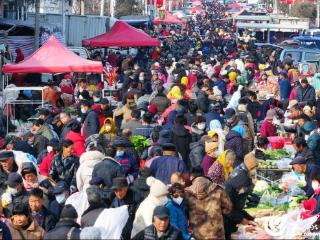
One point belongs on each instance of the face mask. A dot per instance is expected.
(229, 120)
(61, 198)
(49, 148)
(108, 128)
(315, 185)
(30, 142)
(119, 153)
(178, 200)
(12, 191)
(141, 78)
(83, 111)
(97, 100)
(201, 126)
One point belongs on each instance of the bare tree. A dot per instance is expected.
(128, 7)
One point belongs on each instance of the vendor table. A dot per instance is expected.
(271, 175)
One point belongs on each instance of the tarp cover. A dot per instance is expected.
(234, 5)
(122, 35)
(53, 57)
(196, 9)
(168, 19)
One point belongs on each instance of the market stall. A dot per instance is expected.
(168, 19)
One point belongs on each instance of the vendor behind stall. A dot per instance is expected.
(301, 166)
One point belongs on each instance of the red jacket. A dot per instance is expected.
(268, 129)
(78, 143)
(45, 165)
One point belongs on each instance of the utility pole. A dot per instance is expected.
(101, 8)
(112, 4)
(63, 9)
(318, 14)
(37, 25)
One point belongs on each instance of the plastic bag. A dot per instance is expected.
(284, 163)
(79, 201)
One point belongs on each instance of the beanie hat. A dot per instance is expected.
(153, 109)
(250, 161)
(157, 188)
(69, 211)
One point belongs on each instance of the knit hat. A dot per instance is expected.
(69, 211)
(250, 161)
(157, 188)
(153, 109)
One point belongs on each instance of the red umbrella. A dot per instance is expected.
(234, 5)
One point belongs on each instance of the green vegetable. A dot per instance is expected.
(276, 154)
(140, 143)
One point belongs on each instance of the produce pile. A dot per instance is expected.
(273, 156)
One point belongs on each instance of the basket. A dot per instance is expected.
(278, 142)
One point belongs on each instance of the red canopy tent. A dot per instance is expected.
(53, 57)
(168, 19)
(234, 5)
(122, 35)
(196, 9)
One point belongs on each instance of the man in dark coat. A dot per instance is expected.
(123, 195)
(164, 166)
(38, 142)
(203, 100)
(91, 123)
(67, 122)
(67, 227)
(40, 213)
(7, 166)
(15, 143)
(182, 138)
(306, 93)
(65, 165)
(160, 227)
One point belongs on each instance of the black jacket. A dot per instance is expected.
(238, 179)
(196, 154)
(50, 219)
(140, 186)
(149, 233)
(62, 229)
(40, 144)
(91, 123)
(67, 128)
(64, 170)
(203, 101)
(90, 215)
(108, 169)
(182, 139)
(21, 197)
(20, 145)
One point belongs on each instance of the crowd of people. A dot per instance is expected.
(204, 106)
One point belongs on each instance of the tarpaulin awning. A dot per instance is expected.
(53, 57)
(196, 9)
(168, 19)
(234, 5)
(122, 35)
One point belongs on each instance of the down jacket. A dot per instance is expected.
(78, 143)
(234, 142)
(207, 203)
(88, 160)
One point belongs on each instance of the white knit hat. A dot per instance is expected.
(157, 188)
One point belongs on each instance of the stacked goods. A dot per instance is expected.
(273, 157)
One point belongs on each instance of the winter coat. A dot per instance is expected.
(311, 170)
(132, 200)
(129, 164)
(108, 169)
(164, 166)
(314, 144)
(78, 143)
(45, 165)
(64, 170)
(6, 234)
(40, 144)
(238, 179)
(285, 88)
(178, 217)
(91, 214)
(196, 154)
(206, 163)
(34, 231)
(140, 186)
(21, 197)
(196, 134)
(222, 86)
(234, 142)
(312, 205)
(207, 202)
(182, 139)
(203, 101)
(144, 214)
(161, 101)
(62, 229)
(50, 219)
(46, 132)
(216, 174)
(125, 112)
(306, 96)
(143, 131)
(67, 128)
(91, 124)
(150, 233)
(268, 129)
(213, 116)
(87, 161)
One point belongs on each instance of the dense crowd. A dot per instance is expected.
(177, 143)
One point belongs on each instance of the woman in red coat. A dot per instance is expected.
(78, 141)
(267, 127)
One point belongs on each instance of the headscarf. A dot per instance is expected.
(175, 93)
(222, 159)
(239, 130)
(184, 81)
